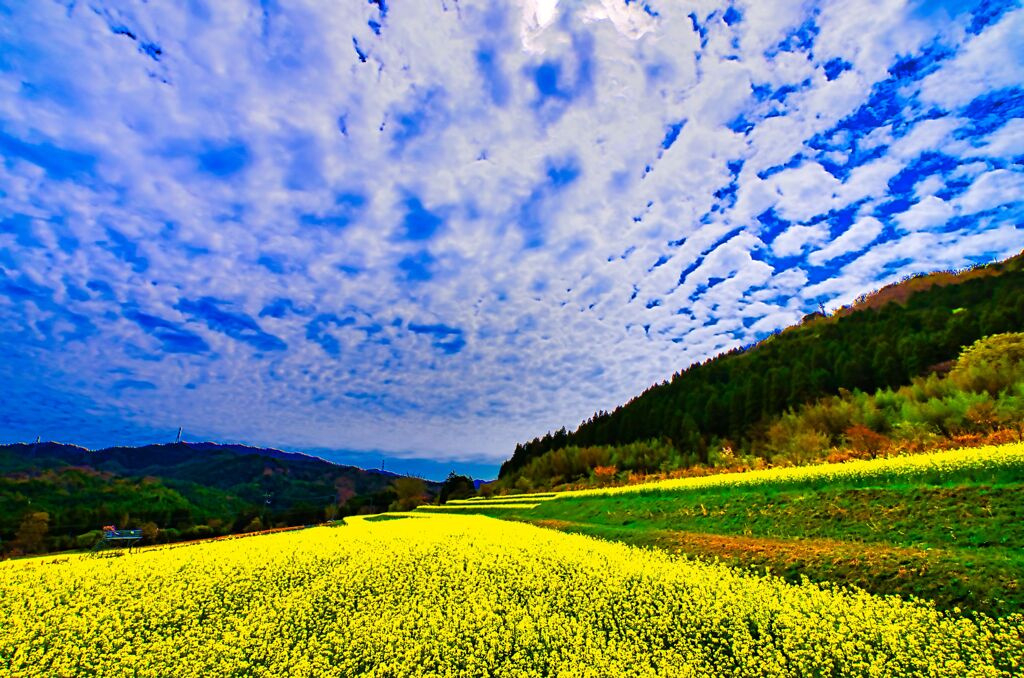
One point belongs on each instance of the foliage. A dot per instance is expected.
(991, 365)
(150, 532)
(32, 532)
(982, 395)
(411, 492)
(375, 598)
(456, 487)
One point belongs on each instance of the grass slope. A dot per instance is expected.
(948, 527)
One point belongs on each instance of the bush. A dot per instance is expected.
(411, 493)
(31, 535)
(992, 364)
(604, 475)
(89, 539)
(864, 440)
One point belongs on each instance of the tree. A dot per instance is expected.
(604, 475)
(459, 487)
(991, 364)
(344, 489)
(1010, 411)
(150, 532)
(862, 439)
(411, 493)
(31, 534)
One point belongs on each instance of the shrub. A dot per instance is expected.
(865, 441)
(992, 364)
(604, 475)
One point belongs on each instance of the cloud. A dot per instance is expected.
(928, 213)
(59, 163)
(804, 191)
(991, 190)
(796, 239)
(861, 234)
(1005, 142)
(441, 229)
(234, 324)
(974, 71)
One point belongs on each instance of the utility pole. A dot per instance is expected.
(178, 439)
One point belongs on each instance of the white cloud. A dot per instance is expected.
(924, 136)
(804, 192)
(862, 233)
(929, 186)
(796, 239)
(992, 61)
(992, 189)
(1005, 142)
(928, 213)
(630, 20)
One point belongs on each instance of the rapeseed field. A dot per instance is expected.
(463, 595)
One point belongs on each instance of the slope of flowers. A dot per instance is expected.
(523, 505)
(441, 595)
(991, 459)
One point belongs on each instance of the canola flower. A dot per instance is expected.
(539, 496)
(480, 504)
(981, 460)
(990, 459)
(463, 595)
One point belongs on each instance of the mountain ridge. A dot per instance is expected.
(198, 446)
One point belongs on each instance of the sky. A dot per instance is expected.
(424, 231)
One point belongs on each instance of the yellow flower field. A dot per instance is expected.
(461, 595)
(989, 458)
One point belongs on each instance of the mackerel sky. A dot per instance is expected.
(433, 228)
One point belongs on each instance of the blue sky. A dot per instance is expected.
(430, 230)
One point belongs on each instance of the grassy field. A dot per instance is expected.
(947, 527)
(442, 595)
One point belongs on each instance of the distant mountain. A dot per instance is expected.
(179, 487)
(203, 462)
(883, 340)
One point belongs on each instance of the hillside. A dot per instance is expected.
(883, 341)
(186, 489)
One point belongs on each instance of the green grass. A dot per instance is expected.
(385, 516)
(953, 535)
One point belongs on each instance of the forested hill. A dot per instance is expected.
(187, 490)
(884, 340)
